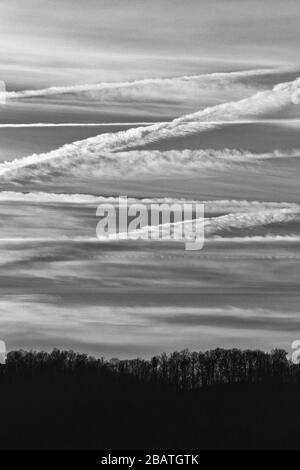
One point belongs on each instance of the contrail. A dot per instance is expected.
(220, 224)
(76, 124)
(58, 90)
(280, 122)
(100, 153)
(218, 206)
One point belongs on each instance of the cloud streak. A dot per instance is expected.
(99, 153)
(79, 160)
(89, 199)
(215, 225)
(138, 84)
(75, 124)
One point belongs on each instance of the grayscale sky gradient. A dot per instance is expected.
(51, 42)
(214, 80)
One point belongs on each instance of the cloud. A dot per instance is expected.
(167, 97)
(213, 225)
(75, 41)
(83, 159)
(71, 218)
(98, 155)
(231, 317)
(269, 238)
(44, 321)
(144, 88)
(252, 219)
(211, 206)
(74, 124)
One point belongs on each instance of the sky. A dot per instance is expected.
(168, 101)
(60, 42)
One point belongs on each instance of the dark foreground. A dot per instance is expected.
(67, 401)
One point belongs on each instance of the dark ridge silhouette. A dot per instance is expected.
(219, 399)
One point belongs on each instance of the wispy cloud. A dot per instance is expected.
(74, 124)
(216, 205)
(218, 225)
(75, 160)
(143, 86)
(99, 150)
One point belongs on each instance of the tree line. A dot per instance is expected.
(183, 370)
(218, 399)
